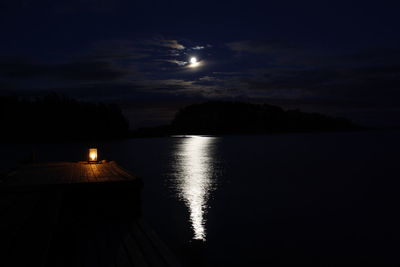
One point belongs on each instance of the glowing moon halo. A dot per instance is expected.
(193, 60)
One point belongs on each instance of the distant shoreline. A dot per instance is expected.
(58, 119)
(134, 135)
(142, 133)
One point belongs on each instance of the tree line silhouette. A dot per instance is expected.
(59, 118)
(222, 117)
(55, 117)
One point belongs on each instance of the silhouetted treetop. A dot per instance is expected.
(57, 117)
(238, 117)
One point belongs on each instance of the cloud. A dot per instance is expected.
(138, 49)
(177, 62)
(368, 85)
(159, 41)
(77, 71)
(209, 79)
(259, 47)
(231, 73)
(111, 52)
(180, 87)
(172, 44)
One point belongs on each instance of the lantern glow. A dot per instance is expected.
(92, 154)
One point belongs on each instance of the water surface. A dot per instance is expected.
(295, 198)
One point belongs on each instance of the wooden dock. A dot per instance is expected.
(76, 214)
(67, 173)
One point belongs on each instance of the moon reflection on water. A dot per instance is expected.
(194, 179)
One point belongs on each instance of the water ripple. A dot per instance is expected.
(194, 179)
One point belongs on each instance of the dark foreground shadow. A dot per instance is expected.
(78, 225)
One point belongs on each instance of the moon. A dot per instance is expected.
(193, 60)
(194, 63)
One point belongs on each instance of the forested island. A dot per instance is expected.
(222, 117)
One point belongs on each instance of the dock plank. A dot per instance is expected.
(91, 174)
(66, 173)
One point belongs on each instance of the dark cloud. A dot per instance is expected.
(368, 85)
(98, 6)
(161, 41)
(260, 47)
(375, 56)
(74, 71)
(209, 79)
(117, 50)
(174, 61)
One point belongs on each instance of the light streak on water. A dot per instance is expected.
(194, 179)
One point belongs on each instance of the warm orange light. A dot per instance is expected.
(92, 154)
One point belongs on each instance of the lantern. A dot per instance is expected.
(93, 155)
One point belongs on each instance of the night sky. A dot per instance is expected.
(335, 57)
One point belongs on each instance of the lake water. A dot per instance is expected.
(254, 200)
